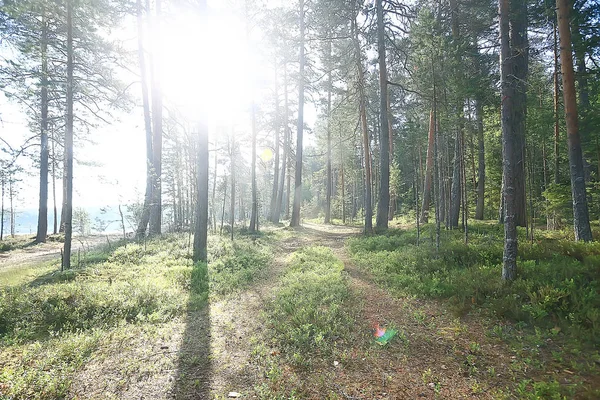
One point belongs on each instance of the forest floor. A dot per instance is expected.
(232, 347)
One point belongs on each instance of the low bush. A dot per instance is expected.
(557, 285)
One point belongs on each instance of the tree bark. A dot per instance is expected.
(223, 207)
(254, 210)
(298, 181)
(12, 210)
(392, 210)
(456, 191)
(155, 225)
(3, 183)
(428, 171)
(556, 101)
(201, 225)
(509, 144)
(286, 147)
(145, 218)
(55, 213)
(42, 226)
(342, 180)
(384, 133)
(273, 217)
(552, 220)
(69, 142)
(329, 177)
(479, 211)
(214, 190)
(580, 208)
(232, 196)
(520, 49)
(365, 130)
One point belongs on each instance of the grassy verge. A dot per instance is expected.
(550, 314)
(51, 326)
(309, 323)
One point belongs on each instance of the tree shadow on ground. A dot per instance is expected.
(194, 364)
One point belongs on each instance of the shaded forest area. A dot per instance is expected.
(318, 167)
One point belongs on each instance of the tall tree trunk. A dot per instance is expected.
(223, 208)
(288, 185)
(201, 225)
(415, 184)
(365, 129)
(556, 102)
(155, 225)
(286, 148)
(439, 197)
(441, 184)
(273, 209)
(481, 166)
(384, 133)
(329, 177)
(342, 180)
(392, 210)
(232, 196)
(510, 145)
(42, 226)
(3, 178)
(456, 191)
(465, 209)
(12, 210)
(69, 142)
(298, 181)
(55, 214)
(214, 189)
(520, 50)
(428, 171)
(580, 209)
(254, 210)
(122, 222)
(145, 218)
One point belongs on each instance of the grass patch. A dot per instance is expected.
(308, 314)
(50, 326)
(20, 274)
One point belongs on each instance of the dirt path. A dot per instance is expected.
(43, 252)
(205, 355)
(435, 356)
(210, 353)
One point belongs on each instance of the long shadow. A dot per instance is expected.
(194, 364)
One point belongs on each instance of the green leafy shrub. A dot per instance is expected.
(558, 279)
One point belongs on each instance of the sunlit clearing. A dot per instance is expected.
(207, 65)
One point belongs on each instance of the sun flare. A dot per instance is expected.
(208, 66)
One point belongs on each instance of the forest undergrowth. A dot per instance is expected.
(52, 325)
(290, 314)
(550, 315)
